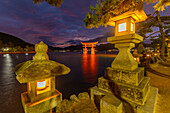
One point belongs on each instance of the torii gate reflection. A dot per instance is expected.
(89, 44)
(89, 65)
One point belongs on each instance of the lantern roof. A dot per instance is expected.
(40, 67)
(138, 16)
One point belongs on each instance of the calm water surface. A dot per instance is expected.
(85, 69)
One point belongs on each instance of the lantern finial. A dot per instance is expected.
(41, 51)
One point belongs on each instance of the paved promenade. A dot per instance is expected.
(160, 78)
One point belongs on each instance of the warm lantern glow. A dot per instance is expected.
(41, 85)
(148, 55)
(131, 26)
(122, 27)
(135, 59)
(89, 66)
(155, 54)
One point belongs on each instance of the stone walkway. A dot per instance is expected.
(160, 78)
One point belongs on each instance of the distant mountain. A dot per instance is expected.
(101, 47)
(78, 41)
(6, 38)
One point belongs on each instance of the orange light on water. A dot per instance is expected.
(89, 66)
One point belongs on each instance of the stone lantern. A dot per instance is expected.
(124, 88)
(125, 38)
(39, 74)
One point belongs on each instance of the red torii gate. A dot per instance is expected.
(89, 44)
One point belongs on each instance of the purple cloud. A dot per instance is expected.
(55, 26)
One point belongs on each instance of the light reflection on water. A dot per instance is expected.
(89, 67)
(7, 69)
(84, 73)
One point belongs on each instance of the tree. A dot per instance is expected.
(106, 9)
(157, 37)
(10, 44)
(19, 48)
(56, 3)
(161, 4)
(1, 44)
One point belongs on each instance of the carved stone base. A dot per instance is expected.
(111, 104)
(130, 77)
(136, 94)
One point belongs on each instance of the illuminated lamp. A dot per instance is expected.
(39, 74)
(148, 55)
(41, 85)
(125, 26)
(125, 38)
(135, 59)
(125, 23)
(155, 54)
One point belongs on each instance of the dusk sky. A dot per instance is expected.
(57, 27)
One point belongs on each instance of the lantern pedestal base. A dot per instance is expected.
(109, 103)
(41, 106)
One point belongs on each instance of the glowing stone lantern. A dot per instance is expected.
(124, 81)
(125, 38)
(39, 74)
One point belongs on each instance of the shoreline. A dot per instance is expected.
(16, 52)
(98, 54)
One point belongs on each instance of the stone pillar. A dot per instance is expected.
(92, 50)
(84, 50)
(124, 60)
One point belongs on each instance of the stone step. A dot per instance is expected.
(150, 104)
(108, 102)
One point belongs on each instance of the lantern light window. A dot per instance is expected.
(41, 84)
(131, 26)
(122, 27)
